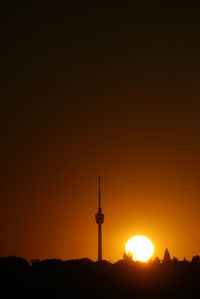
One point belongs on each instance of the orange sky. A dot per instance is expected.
(152, 198)
(82, 97)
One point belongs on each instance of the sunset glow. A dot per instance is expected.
(140, 248)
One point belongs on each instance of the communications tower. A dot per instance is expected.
(99, 220)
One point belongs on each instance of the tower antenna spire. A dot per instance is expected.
(99, 192)
(99, 220)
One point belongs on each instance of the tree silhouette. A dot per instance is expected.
(196, 259)
(83, 278)
(156, 260)
(167, 258)
(128, 256)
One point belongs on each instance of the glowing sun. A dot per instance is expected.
(140, 248)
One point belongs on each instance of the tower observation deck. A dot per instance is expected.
(99, 220)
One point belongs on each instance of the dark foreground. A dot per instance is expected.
(86, 279)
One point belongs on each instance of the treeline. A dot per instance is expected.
(84, 278)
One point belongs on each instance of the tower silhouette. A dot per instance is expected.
(99, 220)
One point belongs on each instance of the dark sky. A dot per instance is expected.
(99, 88)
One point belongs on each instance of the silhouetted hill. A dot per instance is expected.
(84, 278)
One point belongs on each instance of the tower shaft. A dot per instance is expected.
(99, 242)
(99, 220)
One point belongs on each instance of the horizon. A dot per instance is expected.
(152, 260)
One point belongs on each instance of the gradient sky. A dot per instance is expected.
(99, 89)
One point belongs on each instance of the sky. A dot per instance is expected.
(91, 89)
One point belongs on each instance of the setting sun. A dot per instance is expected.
(140, 248)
